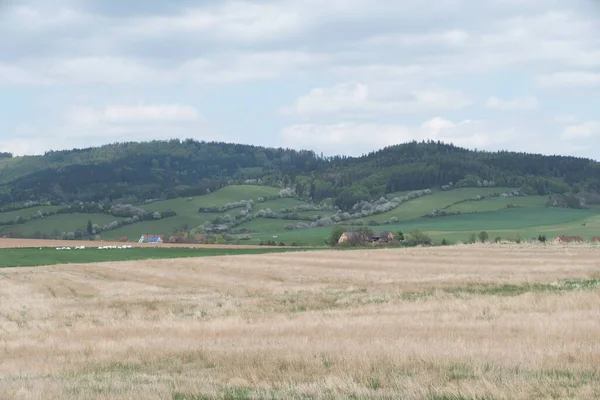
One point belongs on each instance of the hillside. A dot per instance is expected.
(136, 172)
(256, 194)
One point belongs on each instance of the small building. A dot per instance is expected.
(358, 237)
(382, 237)
(569, 239)
(151, 239)
(349, 237)
(596, 239)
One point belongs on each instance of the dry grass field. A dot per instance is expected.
(465, 322)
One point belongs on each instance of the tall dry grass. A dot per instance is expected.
(461, 322)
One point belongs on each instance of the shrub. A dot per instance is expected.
(542, 238)
(445, 242)
(498, 239)
(418, 238)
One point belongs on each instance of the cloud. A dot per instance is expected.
(237, 21)
(123, 114)
(585, 130)
(357, 139)
(358, 99)
(227, 68)
(524, 103)
(389, 59)
(569, 79)
(87, 126)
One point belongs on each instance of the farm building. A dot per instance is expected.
(382, 237)
(151, 239)
(349, 236)
(569, 239)
(376, 237)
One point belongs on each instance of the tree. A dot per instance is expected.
(445, 242)
(363, 236)
(399, 236)
(90, 227)
(483, 236)
(336, 233)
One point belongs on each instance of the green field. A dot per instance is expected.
(276, 205)
(498, 203)
(437, 200)
(507, 223)
(190, 205)
(62, 223)
(32, 257)
(26, 213)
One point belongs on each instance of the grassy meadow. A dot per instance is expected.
(33, 257)
(509, 218)
(463, 322)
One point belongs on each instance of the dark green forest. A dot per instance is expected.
(135, 172)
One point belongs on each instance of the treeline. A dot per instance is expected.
(135, 172)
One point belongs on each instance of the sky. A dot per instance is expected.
(337, 76)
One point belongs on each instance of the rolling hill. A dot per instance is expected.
(262, 194)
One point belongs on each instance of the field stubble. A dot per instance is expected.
(464, 322)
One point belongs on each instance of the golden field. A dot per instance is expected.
(463, 322)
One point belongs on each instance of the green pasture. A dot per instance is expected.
(32, 257)
(498, 203)
(26, 212)
(437, 200)
(166, 226)
(187, 206)
(62, 223)
(506, 223)
(278, 204)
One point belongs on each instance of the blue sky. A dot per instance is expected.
(338, 77)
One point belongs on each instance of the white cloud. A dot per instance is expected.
(523, 103)
(123, 114)
(228, 20)
(30, 18)
(358, 99)
(453, 37)
(585, 130)
(86, 126)
(569, 79)
(226, 68)
(357, 139)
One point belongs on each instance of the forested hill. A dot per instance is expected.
(135, 172)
